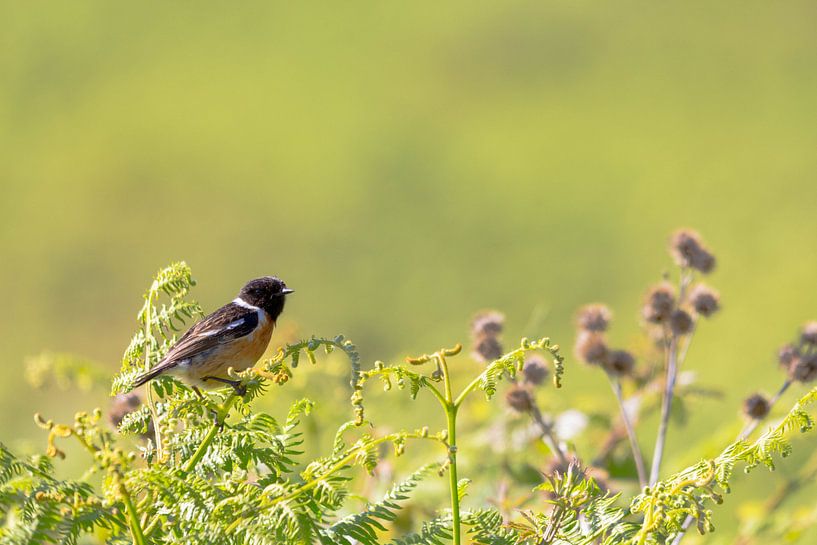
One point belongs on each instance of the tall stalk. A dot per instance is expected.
(548, 436)
(221, 416)
(133, 517)
(628, 426)
(666, 406)
(157, 433)
(669, 389)
(450, 406)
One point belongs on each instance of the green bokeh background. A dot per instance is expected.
(402, 166)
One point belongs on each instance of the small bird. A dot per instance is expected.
(236, 335)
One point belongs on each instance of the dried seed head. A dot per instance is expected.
(519, 399)
(594, 317)
(804, 369)
(619, 363)
(487, 349)
(659, 303)
(704, 262)
(680, 322)
(704, 300)
(756, 407)
(684, 244)
(591, 347)
(787, 356)
(122, 405)
(487, 322)
(688, 251)
(809, 334)
(535, 370)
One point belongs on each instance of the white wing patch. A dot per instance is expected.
(233, 325)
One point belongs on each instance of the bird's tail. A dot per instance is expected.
(144, 377)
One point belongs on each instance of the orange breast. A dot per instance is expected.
(239, 354)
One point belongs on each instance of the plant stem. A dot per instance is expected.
(467, 390)
(157, 434)
(669, 390)
(133, 516)
(637, 456)
(436, 393)
(682, 358)
(451, 406)
(666, 405)
(547, 435)
(221, 416)
(453, 480)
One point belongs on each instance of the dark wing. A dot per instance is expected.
(228, 323)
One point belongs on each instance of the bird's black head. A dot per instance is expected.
(267, 292)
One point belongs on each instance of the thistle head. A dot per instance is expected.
(808, 335)
(594, 317)
(756, 407)
(487, 349)
(519, 399)
(619, 363)
(680, 322)
(659, 303)
(535, 370)
(591, 347)
(487, 322)
(121, 406)
(486, 328)
(704, 300)
(689, 251)
(787, 355)
(804, 369)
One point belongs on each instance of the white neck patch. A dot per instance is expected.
(242, 303)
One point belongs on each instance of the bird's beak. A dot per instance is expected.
(287, 291)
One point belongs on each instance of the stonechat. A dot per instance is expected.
(236, 335)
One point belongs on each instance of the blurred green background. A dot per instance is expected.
(402, 166)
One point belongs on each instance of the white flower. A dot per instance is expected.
(570, 423)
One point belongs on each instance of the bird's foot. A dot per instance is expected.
(240, 389)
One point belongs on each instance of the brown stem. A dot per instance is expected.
(547, 435)
(637, 456)
(666, 406)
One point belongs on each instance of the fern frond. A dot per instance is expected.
(37, 508)
(513, 362)
(364, 526)
(436, 531)
(487, 528)
(669, 502)
(158, 323)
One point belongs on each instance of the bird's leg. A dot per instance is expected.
(198, 392)
(240, 389)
